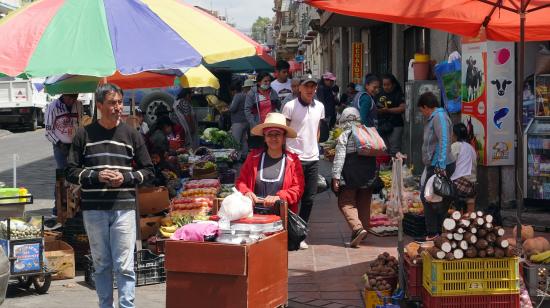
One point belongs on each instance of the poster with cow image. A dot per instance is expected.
(488, 89)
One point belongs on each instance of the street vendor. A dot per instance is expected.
(272, 173)
(100, 160)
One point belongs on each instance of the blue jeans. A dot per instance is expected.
(112, 236)
(60, 157)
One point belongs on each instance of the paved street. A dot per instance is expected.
(35, 166)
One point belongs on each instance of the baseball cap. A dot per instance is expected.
(329, 76)
(308, 79)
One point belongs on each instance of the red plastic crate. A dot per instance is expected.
(470, 301)
(414, 279)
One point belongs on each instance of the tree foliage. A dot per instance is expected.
(259, 29)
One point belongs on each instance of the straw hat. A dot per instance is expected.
(274, 119)
(249, 83)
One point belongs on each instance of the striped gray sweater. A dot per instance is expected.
(94, 149)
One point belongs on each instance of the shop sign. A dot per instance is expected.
(357, 62)
(27, 257)
(488, 89)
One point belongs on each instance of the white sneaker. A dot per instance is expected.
(303, 245)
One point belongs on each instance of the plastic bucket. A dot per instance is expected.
(421, 70)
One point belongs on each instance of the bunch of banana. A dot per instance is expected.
(167, 231)
(543, 257)
(385, 176)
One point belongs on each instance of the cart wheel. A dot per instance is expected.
(24, 282)
(42, 283)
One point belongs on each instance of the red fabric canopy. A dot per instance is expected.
(463, 17)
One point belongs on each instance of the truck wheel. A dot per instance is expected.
(33, 125)
(42, 283)
(41, 118)
(154, 102)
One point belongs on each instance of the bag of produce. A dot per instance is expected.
(297, 231)
(235, 206)
(429, 193)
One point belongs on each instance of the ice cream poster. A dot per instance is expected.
(488, 89)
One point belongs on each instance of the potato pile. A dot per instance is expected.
(378, 284)
(384, 265)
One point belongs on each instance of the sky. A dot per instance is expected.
(241, 12)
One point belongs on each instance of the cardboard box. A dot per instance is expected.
(60, 257)
(149, 226)
(153, 200)
(223, 275)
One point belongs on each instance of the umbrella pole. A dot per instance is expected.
(519, 116)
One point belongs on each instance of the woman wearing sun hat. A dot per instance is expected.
(272, 173)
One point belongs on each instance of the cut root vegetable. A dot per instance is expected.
(491, 237)
(489, 218)
(473, 230)
(479, 214)
(443, 244)
(458, 254)
(463, 245)
(437, 253)
(454, 244)
(449, 224)
(499, 231)
(456, 215)
(488, 226)
(450, 256)
(461, 230)
(479, 221)
(458, 236)
(465, 223)
(470, 237)
(449, 236)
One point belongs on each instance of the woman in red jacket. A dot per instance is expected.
(272, 173)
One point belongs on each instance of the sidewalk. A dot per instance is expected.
(328, 274)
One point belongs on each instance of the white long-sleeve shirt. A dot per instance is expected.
(61, 123)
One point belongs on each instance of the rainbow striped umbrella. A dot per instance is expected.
(102, 37)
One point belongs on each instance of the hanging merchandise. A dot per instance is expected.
(448, 74)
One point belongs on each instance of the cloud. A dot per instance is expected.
(241, 12)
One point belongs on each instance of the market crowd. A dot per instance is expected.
(279, 124)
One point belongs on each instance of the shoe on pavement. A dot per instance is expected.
(303, 245)
(357, 237)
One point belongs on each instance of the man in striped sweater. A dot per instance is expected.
(100, 160)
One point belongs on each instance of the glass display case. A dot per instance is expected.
(542, 95)
(536, 180)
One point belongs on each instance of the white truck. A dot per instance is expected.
(22, 103)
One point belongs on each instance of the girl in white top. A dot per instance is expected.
(466, 159)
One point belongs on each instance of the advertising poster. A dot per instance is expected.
(357, 62)
(488, 99)
(27, 257)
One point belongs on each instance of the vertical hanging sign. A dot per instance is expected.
(357, 62)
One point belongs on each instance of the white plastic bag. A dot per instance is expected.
(236, 206)
(429, 193)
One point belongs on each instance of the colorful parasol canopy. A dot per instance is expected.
(501, 18)
(199, 77)
(102, 37)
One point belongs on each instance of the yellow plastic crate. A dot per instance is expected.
(372, 299)
(477, 276)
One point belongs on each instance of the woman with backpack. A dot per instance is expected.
(260, 101)
(353, 176)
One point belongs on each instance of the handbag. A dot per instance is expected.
(367, 141)
(443, 186)
(465, 188)
(297, 231)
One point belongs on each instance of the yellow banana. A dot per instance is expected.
(165, 234)
(541, 257)
(169, 229)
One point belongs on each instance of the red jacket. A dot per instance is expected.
(293, 182)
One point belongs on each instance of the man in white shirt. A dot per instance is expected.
(304, 115)
(61, 119)
(282, 85)
(61, 123)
